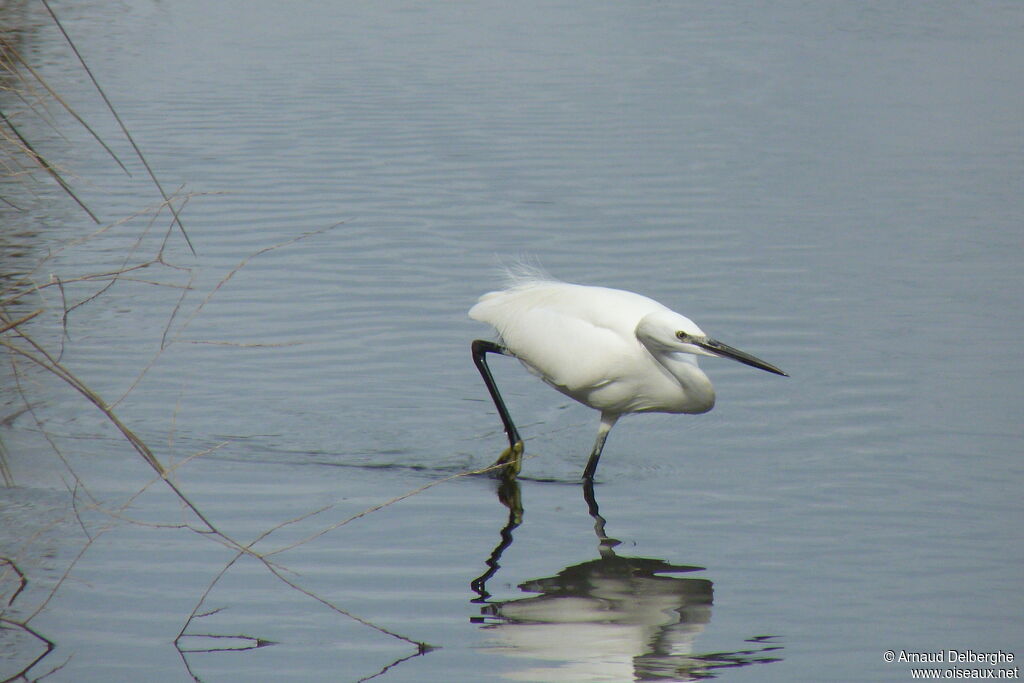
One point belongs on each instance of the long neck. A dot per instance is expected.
(698, 393)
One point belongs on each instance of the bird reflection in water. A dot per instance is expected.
(613, 618)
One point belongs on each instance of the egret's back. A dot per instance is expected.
(602, 307)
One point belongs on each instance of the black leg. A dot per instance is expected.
(512, 457)
(591, 469)
(480, 349)
(607, 422)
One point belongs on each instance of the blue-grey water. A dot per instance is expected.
(834, 187)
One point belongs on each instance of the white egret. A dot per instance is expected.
(615, 351)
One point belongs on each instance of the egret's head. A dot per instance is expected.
(667, 331)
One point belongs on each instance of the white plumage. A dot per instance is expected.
(615, 351)
(583, 341)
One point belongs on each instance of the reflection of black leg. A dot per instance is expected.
(512, 457)
(605, 544)
(508, 494)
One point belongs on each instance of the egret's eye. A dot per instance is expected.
(682, 336)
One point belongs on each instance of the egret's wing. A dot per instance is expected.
(571, 354)
(576, 338)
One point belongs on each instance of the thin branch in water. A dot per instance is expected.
(241, 345)
(11, 204)
(171, 335)
(67, 572)
(26, 283)
(245, 261)
(56, 96)
(174, 314)
(46, 166)
(393, 664)
(5, 326)
(30, 408)
(5, 469)
(124, 128)
(47, 362)
(22, 581)
(170, 471)
(421, 647)
(78, 513)
(245, 642)
(24, 627)
(138, 280)
(375, 508)
(116, 275)
(65, 336)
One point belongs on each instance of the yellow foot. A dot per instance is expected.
(511, 461)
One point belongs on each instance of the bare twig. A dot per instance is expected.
(11, 50)
(469, 473)
(25, 285)
(46, 166)
(5, 469)
(30, 408)
(124, 128)
(5, 326)
(24, 627)
(171, 335)
(243, 263)
(22, 581)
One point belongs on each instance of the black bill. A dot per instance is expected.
(725, 351)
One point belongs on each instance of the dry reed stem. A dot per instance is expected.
(14, 67)
(30, 409)
(124, 128)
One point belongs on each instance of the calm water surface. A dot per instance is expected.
(835, 187)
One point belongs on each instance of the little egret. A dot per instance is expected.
(615, 351)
